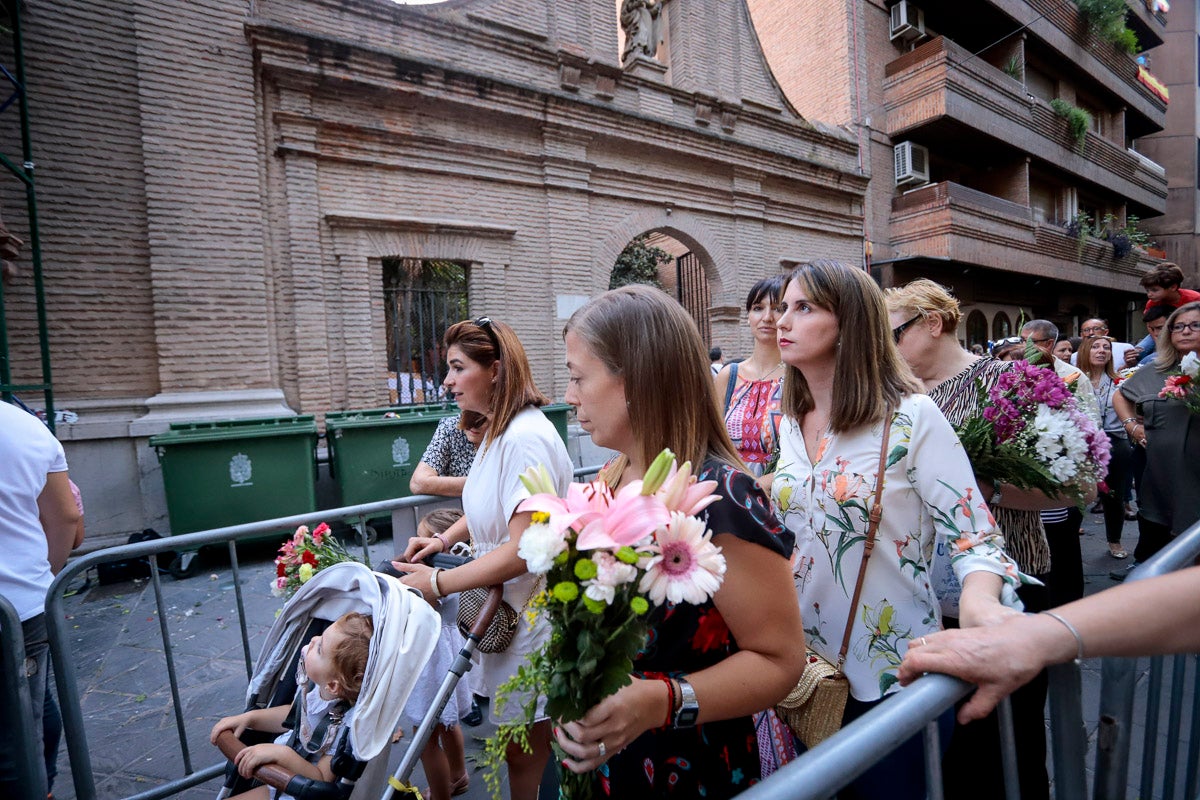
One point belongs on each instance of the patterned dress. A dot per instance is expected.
(716, 759)
(929, 494)
(752, 420)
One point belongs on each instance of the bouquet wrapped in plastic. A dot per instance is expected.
(303, 555)
(1033, 434)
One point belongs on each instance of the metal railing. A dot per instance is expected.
(74, 732)
(1118, 677)
(836, 762)
(17, 713)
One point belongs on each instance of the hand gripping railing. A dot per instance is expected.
(74, 732)
(1118, 677)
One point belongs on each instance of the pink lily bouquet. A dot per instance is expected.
(1034, 435)
(607, 558)
(1184, 385)
(303, 555)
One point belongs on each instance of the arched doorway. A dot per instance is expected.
(977, 329)
(661, 260)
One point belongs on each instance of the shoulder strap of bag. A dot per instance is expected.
(730, 386)
(872, 529)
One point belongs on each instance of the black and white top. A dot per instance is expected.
(449, 453)
(958, 398)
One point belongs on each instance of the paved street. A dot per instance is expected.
(124, 685)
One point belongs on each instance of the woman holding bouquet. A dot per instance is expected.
(1095, 359)
(1169, 495)
(490, 375)
(845, 381)
(639, 380)
(924, 317)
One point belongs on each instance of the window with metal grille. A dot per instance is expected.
(422, 298)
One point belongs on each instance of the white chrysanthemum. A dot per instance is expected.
(539, 546)
(686, 567)
(1190, 365)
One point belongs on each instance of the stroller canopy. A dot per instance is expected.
(406, 632)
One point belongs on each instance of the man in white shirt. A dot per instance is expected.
(1091, 328)
(38, 518)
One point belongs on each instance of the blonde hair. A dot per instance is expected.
(926, 298)
(1166, 354)
(349, 657)
(649, 340)
(514, 388)
(868, 374)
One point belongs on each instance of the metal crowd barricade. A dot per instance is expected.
(17, 715)
(822, 771)
(1117, 714)
(74, 733)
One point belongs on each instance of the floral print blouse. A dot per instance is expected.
(929, 492)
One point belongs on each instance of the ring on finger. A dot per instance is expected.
(923, 642)
(603, 750)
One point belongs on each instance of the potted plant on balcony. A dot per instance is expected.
(1123, 238)
(1078, 120)
(1079, 228)
(1106, 19)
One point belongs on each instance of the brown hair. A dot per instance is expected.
(1163, 276)
(926, 298)
(1083, 357)
(1166, 354)
(439, 521)
(647, 338)
(869, 374)
(349, 657)
(514, 388)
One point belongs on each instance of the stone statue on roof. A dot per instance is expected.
(640, 22)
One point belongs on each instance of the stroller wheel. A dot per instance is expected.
(372, 535)
(184, 565)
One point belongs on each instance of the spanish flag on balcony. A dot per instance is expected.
(1155, 85)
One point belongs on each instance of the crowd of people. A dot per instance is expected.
(836, 432)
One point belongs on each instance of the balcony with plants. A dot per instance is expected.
(947, 220)
(936, 91)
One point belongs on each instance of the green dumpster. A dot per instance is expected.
(373, 452)
(230, 472)
(557, 413)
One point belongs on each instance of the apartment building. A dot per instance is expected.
(964, 112)
(1178, 146)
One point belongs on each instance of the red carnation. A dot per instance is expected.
(308, 558)
(280, 569)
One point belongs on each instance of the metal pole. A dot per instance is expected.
(1118, 681)
(35, 243)
(1069, 743)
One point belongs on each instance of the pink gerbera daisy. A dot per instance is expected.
(685, 565)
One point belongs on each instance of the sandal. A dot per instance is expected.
(461, 785)
(1116, 551)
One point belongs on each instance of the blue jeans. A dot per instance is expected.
(37, 660)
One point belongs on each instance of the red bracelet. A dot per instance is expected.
(670, 700)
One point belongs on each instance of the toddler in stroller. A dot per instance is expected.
(353, 679)
(330, 675)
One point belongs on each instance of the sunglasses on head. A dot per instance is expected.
(486, 324)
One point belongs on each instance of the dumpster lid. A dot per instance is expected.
(232, 429)
(389, 415)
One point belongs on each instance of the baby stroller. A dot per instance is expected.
(406, 630)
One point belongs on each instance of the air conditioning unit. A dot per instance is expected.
(907, 22)
(912, 163)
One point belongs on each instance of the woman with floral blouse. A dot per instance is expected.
(844, 374)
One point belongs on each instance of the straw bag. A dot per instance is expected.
(503, 627)
(816, 704)
(499, 633)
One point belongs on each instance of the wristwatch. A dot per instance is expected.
(997, 495)
(688, 708)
